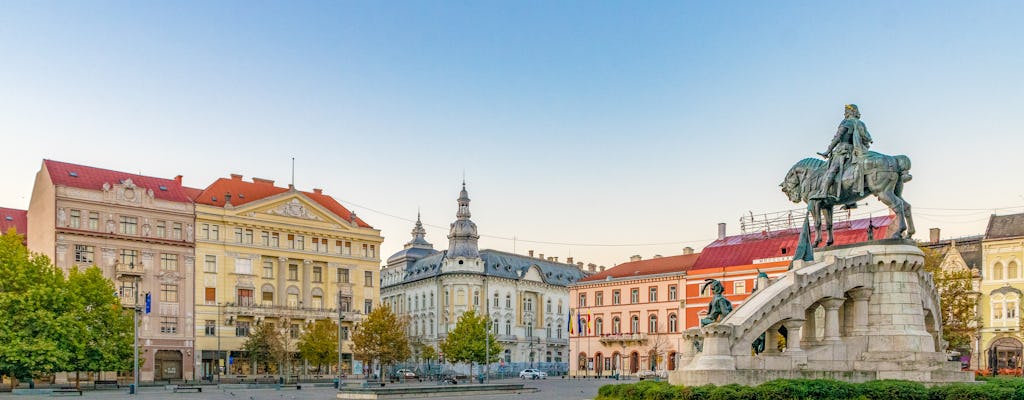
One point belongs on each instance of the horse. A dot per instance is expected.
(881, 175)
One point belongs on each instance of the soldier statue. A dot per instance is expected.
(849, 146)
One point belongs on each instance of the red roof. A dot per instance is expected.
(13, 218)
(662, 265)
(243, 192)
(92, 178)
(744, 249)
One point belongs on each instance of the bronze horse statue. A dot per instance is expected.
(881, 175)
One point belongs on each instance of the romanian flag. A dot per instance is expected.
(590, 321)
(569, 323)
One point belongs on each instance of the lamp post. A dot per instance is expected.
(216, 331)
(341, 318)
(135, 329)
(487, 348)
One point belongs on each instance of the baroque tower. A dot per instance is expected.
(462, 237)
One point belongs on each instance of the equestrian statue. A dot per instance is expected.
(850, 174)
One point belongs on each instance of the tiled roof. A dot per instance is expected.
(13, 218)
(92, 178)
(499, 264)
(654, 266)
(969, 248)
(193, 193)
(1005, 226)
(744, 249)
(243, 192)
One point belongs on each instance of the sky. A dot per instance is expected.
(596, 130)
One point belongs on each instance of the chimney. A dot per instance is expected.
(657, 256)
(236, 177)
(568, 260)
(635, 257)
(542, 256)
(721, 230)
(178, 179)
(263, 181)
(933, 233)
(601, 268)
(530, 252)
(580, 265)
(318, 191)
(555, 259)
(291, 186)
(594, 268)
(590, 266)
(687, 250)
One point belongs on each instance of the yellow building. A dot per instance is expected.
(1001, 287)
(272, 255)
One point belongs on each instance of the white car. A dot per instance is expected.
(533, 374)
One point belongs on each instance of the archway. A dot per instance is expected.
(672, 361)
(598, 363)
(616, 361)
(1005, 354)
(634, 362)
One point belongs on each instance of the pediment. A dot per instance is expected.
(291, 206)
(533, 274)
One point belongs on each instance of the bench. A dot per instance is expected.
(107, 384)
(66, 390)
(188, 388)
(290, 385)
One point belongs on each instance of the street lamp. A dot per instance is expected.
(216, 331)
(341, 318)
(135, 328)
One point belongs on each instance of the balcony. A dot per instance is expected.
(275, 311)
(122, 269)
(624, 338)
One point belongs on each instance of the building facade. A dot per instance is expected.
(11, 218)
(139, 231)
(273, 255)
(1001, 285)
(633, 316)
(525, 298)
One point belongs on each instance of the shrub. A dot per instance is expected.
(893, 390)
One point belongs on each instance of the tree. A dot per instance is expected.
(657, 346)
(468, 341)
(319, 343)
(104, 339)
(264, 346)
(960, 319)
(37, 327)
(381, 338)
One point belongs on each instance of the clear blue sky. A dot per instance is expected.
(615, 123)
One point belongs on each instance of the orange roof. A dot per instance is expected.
(243, 192)
(85, 177)
(13, 218)
(654, 266)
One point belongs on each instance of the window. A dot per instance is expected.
(366, 250)
(129, 225)
(211, 328)
(130, 257)
(168, 293)
(214, 232)
(244, 297)
(76, 219)
(598, 298)
(527, 304)
(342, 275)
(559, 306)
(367, 306)
(268, 270)
(275, 240)
(161, 229)
(347, 249)
(242, 328)
(1011, 270)
(548, 309)
(318, 275)
(508, 327)
(265, 238)
(346, 303)
(211, 296)
(616, 326)
(508, 301)
(176, 231)
(293, 331)
(496, 300)
(94, 220)
(83, 253)
(243, 266)
(672, 295)
(268, 297)
(293, 272)
(997, 272)
(634, 324)
(652, 294)
(431, 299)
(300, 242)
(238, 235)
(673, 323)
(248, 236)
(583, 300)
(168, 262)
(599, 326)
(634, 296)
(204, 231)
(316, 244)
(529, 329)
(344, 332)
(373, 251)
(210, 264)
(447, 299)
(739, 287)
(616, 297)
(476, 298)
(368, 278)
(168, 325)
(652, 324)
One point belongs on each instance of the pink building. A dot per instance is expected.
(635, 313)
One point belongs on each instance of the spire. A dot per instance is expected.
(462, 237)
(418, 235)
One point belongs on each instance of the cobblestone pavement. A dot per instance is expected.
(552, 388)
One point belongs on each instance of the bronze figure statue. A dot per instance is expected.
(719, 306)
(847, 151)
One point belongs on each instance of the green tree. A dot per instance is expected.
(36, 325)
(960, 319)
(264, 347)
(104, 341)
(319, 343)
(381, 338)
(468, 341)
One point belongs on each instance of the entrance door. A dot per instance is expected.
(634, 362)
(167, 365)
(1005, 353)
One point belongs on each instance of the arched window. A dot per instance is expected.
(529, 329)
(528, 304)
(616, 326)
(634, 324)
(997, 272)
(496, 303)
(673, 323)
(997, 307)
(431, 299)
(1011, 270)
(548, 333)
(559, 306)
(476, 298)
(508, 327)
(549, 305)
(599, 326)
(495, 326)
(652, 324)
(508, 301)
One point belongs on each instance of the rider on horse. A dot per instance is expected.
(848, 147)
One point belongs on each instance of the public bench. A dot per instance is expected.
(290, 385)
(66, 390)
(106, 384)
(188, 388)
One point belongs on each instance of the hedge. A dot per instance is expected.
(819, 389)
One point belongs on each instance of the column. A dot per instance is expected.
(771, 340)
(281, 292)
(809, 328)
(793, 328)
(832, 305)
(307, 277)
(860, 299)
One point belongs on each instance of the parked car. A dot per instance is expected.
(533, 374)
(406, 373)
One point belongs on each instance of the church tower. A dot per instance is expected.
(462, 238)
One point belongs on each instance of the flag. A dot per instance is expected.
(569, 323)
(590, 321)
(579, 323)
